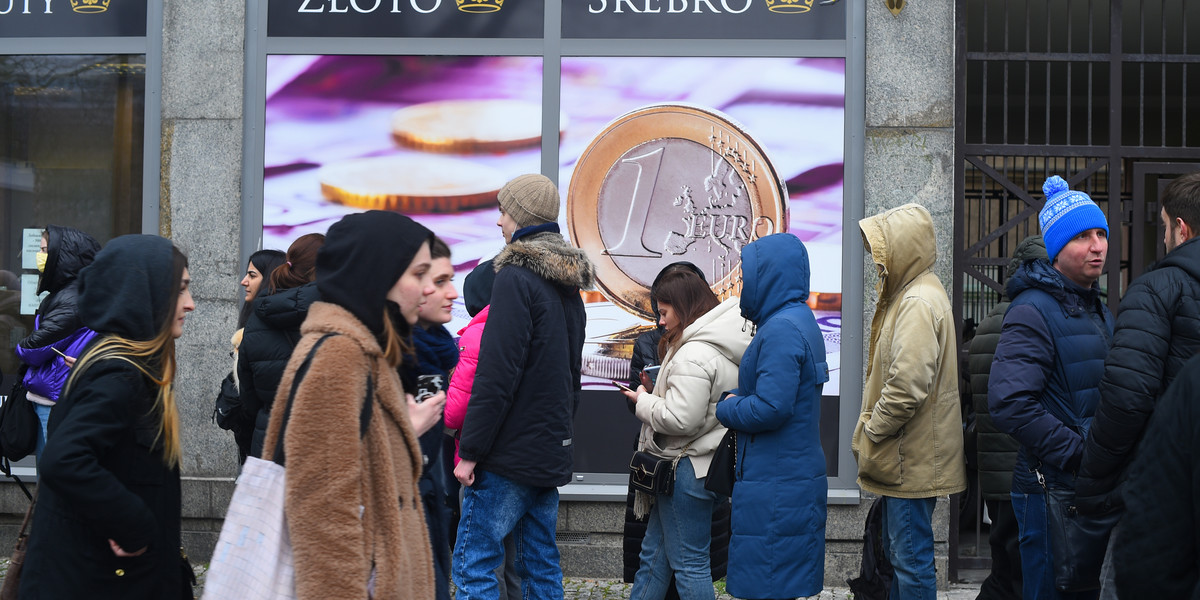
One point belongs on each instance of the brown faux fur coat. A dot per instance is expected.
(333, 476)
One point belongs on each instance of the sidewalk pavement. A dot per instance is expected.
(611, 589)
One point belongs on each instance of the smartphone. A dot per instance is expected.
(428, 386)
(58, 352)
(624, 388)
(652, 373)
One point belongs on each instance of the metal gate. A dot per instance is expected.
(1096, 91)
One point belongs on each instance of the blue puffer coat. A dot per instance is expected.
(1046, 372)
(777, 548)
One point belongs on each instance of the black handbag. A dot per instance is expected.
(1077, 542)
(19, 424)
(721, 471)
(652, 474)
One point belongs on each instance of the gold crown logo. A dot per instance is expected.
(479, 6)
(90, 6)
(789, 6)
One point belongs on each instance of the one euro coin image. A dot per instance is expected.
(667, 183)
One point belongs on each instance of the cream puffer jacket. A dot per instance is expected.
(683, 408)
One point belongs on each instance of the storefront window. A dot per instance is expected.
(71, 148)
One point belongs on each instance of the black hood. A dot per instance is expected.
(68, 251)
(127, 289)
(363, 256)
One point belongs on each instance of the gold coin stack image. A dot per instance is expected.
(423, 179)
(411, 183)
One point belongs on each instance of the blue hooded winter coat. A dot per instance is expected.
(777, 548)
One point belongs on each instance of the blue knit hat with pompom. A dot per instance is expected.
(1066, 214)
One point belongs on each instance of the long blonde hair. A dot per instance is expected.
(154, 358)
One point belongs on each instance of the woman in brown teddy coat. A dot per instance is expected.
(350, 439)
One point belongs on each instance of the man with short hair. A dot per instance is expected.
(1044, 383)
(1157, 331)
(908, 442)
(516, 439)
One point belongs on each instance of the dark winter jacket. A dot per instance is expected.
(1046, 372)
(58, 325)
(520, 420)
(437, 354)
(271, 334)
(102, 475)
(1157, 550)
(645, 354)
(777, 548)
(1157, 331)
(997, 450)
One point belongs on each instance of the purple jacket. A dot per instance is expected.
(48, 372)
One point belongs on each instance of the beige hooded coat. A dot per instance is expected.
(908, 441)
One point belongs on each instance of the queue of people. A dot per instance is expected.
(353, 340)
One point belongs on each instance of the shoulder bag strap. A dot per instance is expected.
(364, 417)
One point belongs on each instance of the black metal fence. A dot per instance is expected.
(1096, 91)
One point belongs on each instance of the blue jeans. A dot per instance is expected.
(678, 535)
(495, 507)
(1037, 561)
(43, 413)
(908, 543)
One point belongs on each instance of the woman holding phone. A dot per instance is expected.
(702, 344)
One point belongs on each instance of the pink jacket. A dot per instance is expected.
(463, 378)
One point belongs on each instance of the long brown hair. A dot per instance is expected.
(155, 358)
(301, 265)
(688, 295)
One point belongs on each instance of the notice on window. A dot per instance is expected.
(31, 243)
(29, 295)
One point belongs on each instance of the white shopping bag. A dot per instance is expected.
(253, 557)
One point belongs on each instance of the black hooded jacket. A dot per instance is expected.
(68, 252)
(271, 334)
(520, 420)
(1157, 331)
(102, 475)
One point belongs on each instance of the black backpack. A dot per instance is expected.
(874, 581)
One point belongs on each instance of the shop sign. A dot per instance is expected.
(705, 19)
(406, 18)
(72, 18)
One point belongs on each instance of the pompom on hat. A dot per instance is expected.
(530, 200)
(1066, 214)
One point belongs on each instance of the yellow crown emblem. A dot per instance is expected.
(789, 6)
(479, 6)
(90, 6)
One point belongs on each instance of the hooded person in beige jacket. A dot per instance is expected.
(908, 441)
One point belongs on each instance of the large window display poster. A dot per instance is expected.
(691, 158)
(660, 159)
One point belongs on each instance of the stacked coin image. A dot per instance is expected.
(471, 126)
(416, 183)
(667, 183)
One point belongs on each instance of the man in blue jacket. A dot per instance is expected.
(1046, 371)
(516, 439)
(1157, 331)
